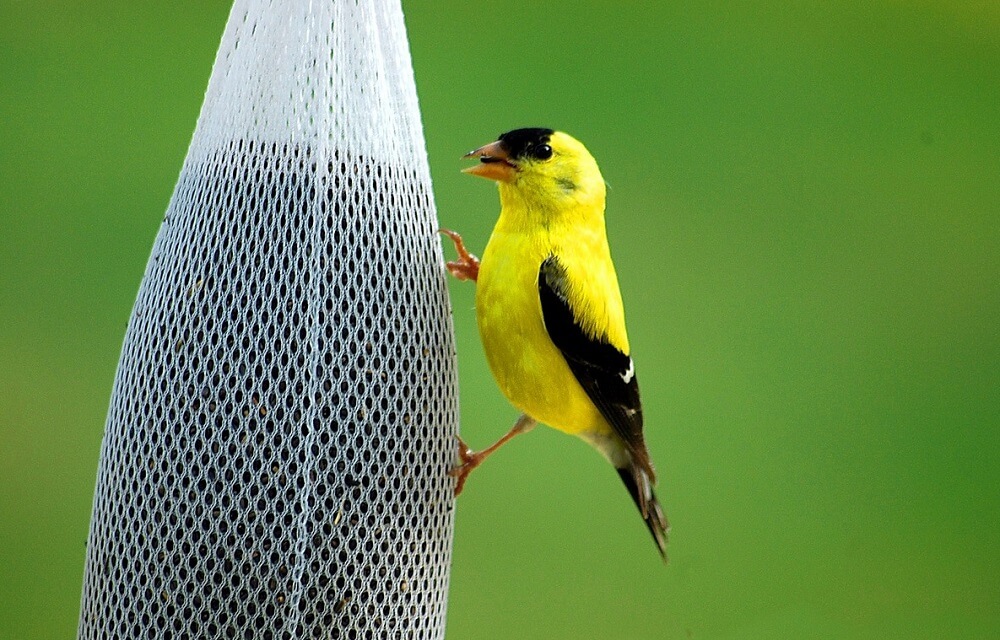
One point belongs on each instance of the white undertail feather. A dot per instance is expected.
(639, 478)
(640, 485)
(645, 489)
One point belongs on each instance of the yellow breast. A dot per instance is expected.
(529, 369)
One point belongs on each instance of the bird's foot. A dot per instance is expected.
(469, 461)
(467, 265)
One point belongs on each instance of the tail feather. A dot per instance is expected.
(639, 486)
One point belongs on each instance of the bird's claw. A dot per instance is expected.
(462, 270)
(465, 452)
(472, 459)
(469, 461)
(467, 265)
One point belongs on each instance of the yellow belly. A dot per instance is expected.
(530, 371)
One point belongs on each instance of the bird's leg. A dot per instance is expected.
(467, 265)
(472, 459)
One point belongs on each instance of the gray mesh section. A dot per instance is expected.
(275, 456)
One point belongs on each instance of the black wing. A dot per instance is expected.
(604, 372)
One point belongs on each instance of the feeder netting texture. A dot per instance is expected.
(275, 458)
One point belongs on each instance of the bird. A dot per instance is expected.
(550, 311)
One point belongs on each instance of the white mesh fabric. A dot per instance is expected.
(275, 457)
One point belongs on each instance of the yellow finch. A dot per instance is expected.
(549, 310)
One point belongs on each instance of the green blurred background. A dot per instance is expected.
(805, 213)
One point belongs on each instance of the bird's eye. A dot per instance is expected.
(542, 152)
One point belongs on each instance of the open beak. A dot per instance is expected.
(494, 163)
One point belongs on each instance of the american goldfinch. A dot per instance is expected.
(549, 309)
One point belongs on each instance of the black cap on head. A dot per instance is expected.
(531, 142)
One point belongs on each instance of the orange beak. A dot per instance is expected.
(494, 163)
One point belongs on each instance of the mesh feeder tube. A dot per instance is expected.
(275, 457)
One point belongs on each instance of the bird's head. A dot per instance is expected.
(540, 167)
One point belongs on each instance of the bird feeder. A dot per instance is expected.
(275, 458)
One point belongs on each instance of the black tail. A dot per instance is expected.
(637, 482)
